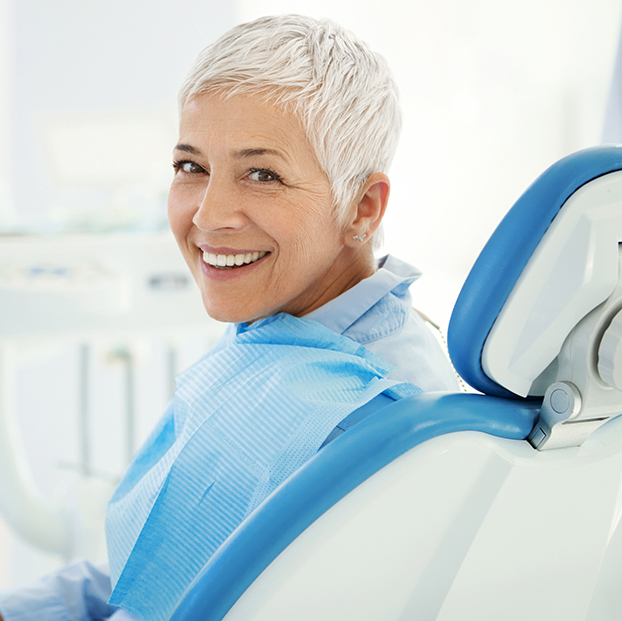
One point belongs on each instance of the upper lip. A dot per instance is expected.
(213, 250)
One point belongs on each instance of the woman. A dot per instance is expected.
(288, 126)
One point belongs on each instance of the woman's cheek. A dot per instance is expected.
(183, 200)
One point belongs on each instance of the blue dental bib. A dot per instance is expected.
(243, 419)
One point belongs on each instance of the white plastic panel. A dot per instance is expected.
(99, 284)
(573, 270)
(466, 527)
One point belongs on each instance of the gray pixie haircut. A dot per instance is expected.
(343, 93)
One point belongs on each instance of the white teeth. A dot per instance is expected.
(229, 260)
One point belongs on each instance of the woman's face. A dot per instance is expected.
(251, 210)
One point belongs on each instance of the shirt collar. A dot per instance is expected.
(340, 313)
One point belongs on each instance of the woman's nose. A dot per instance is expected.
(218, 208)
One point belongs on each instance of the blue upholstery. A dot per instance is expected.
(507, 252)
(332, 473)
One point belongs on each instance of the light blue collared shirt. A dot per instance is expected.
(376, 313)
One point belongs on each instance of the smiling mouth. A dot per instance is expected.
(232, 261)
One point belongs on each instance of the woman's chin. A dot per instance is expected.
(228, 313)
(223, 315)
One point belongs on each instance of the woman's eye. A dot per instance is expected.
(264, 175)
(188, 167)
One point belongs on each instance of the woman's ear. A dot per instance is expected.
(368, 210)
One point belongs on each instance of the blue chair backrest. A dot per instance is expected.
(504, 257)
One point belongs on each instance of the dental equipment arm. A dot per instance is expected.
(21, 503)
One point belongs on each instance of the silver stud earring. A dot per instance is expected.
(359, 238)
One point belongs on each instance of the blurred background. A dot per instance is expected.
(493, 92)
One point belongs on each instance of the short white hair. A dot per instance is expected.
(343, 93)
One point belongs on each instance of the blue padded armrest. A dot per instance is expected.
(331, 474)
(510, 247)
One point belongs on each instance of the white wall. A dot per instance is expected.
(111, 70)
(6, 211)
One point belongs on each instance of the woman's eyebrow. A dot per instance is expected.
(238, 155)
(188, 149)
(244, 153)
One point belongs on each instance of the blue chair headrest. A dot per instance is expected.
(504, 257)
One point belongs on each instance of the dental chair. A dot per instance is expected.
(497, 506)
